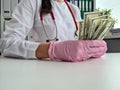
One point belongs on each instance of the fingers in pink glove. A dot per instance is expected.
(99, 48)
(95, 46)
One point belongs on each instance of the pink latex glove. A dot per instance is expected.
(76, 50)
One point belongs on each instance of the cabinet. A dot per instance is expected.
(6, 8)
(84, 5)
(1, 18)
(113, 41)
(113, 45)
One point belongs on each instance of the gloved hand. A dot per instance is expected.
(76, 50)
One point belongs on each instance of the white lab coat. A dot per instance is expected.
(25, 20)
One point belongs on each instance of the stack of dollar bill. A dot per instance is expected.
(95, 25)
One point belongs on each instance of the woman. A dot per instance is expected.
(52, 24)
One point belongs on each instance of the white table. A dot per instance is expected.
(95, 74)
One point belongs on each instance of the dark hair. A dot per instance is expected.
(46, 6)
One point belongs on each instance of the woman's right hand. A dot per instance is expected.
(42, 51)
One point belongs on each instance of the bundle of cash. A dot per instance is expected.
(95, 25)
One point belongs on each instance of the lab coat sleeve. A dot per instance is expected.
(13, 43)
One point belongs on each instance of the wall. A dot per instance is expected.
(111, 4)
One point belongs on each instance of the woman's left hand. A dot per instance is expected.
(77, 50)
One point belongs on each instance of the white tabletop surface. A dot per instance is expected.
(95, 74)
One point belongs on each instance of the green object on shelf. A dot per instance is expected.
(86, 6)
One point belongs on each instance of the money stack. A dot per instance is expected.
(95, 25)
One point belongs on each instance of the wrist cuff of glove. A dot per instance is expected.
(51, 51)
